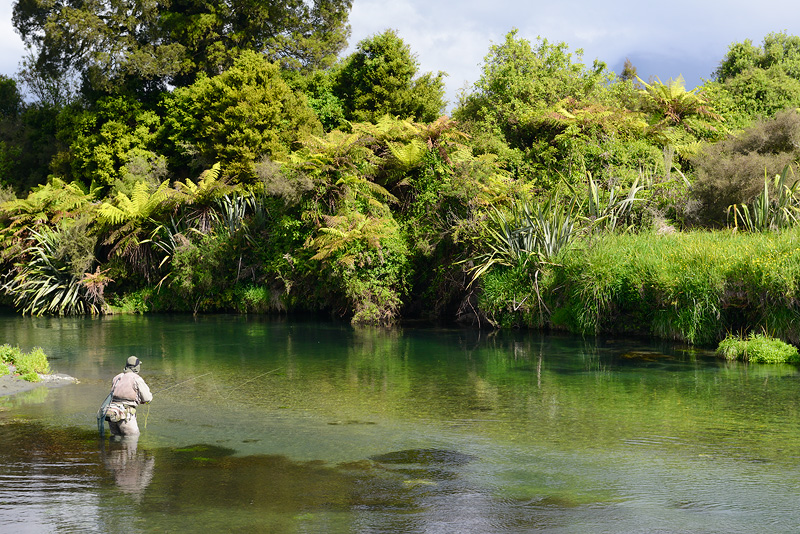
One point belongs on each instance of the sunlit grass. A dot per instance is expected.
(757, 348)
(694, 286)
(28, 365)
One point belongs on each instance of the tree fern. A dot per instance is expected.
(49, 202)
(136, 208)
(407, 155)
(208, 189)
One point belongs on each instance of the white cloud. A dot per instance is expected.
(682, 36)
(10, 43)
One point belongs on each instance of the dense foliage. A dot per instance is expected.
(141, 46)
(201, 161)
(26, 365)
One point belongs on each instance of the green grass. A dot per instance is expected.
(757, 348)
(691, 286)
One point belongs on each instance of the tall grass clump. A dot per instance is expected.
(757, 348)
(691, 286)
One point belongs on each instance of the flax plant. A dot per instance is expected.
(528, 233)
(47, 282)
(768, 212)
(605, 214)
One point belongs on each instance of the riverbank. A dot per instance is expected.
(12, 385)
(696, 287)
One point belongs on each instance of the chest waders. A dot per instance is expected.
(101, 413)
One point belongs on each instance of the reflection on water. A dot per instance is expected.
(278, 426)
(132, 469)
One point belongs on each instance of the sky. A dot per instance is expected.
(662, 39)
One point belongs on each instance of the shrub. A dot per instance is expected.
(34, 362)
(255, 299)
(9, 354)
(757, 348)
(733, 170)
(27, 365)
(134, 302)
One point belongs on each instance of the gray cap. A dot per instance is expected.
(133, 363)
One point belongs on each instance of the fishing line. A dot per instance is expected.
(179, 383)
(166, 389)
(215, 387)
(254, 378)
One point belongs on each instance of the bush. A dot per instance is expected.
(34, 362)
(256, 299)
(732, 171)
(27, 365)
(9, 354)
(757, 348)
(134, 302)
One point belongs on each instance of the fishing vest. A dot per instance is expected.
(129, 387)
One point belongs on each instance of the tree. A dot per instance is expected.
(763, 80)
(778, 50)
(628, 71)
(27, 137)
(107, 141)
(298, 35)
(519, 78)
(10, 99)
(237, 118)
(142, 45)
(380, 78)
(522, 87)
(520, 81)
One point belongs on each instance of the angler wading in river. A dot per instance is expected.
(128, 390)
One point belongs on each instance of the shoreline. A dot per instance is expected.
(11, 385)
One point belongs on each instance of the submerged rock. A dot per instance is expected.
(425, 457)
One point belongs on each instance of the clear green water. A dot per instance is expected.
(266, 425)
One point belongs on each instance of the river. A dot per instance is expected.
(290, 425)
